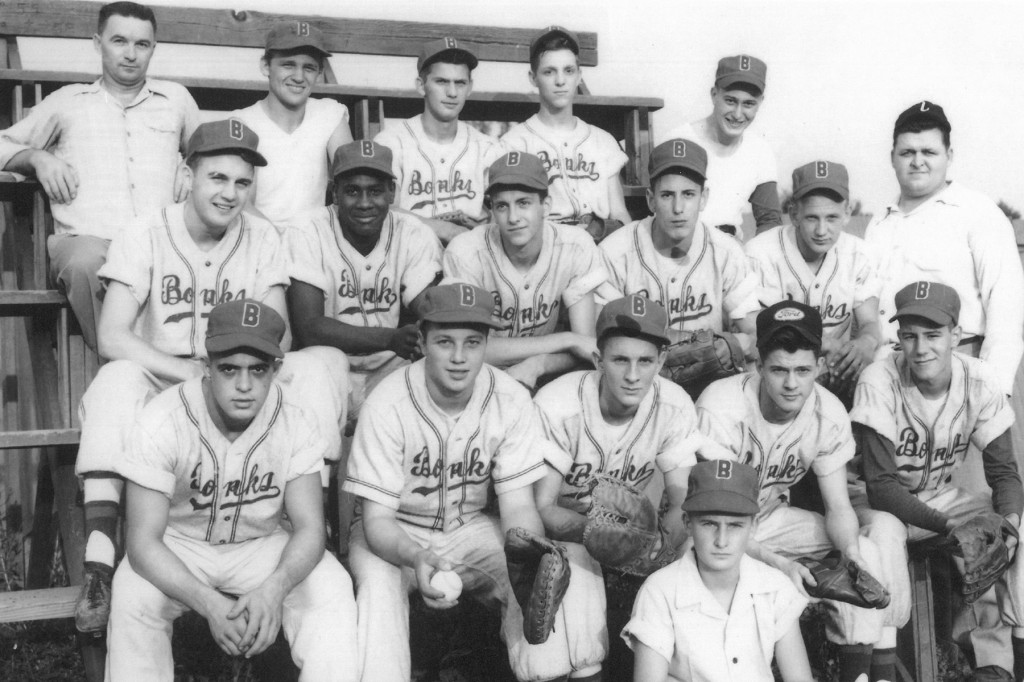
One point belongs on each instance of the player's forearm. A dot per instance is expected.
(388, 541)
(503, 351)
(758, 551)
(518, 509)
(125, 345)
(444, 230)
(24, 161)
(152, 560)
(1002, 475)
(562, 524)
(323, 331)
(843, 529)
(300, 556)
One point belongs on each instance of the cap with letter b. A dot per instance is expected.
(786, 314)
(459, 304)
(635, 316)
(741, 68)
(290, 35)
(434, 50)
(821, 175)
(933, 301)
(229, 136)
(923, 112)
(365, 155)
(722, 486)
(552, 31)
(518, 168)
(678, 153)
(245, 323)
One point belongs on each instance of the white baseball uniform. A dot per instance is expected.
(225, 524)
(581, 164)
(709, 288)
(435, 178)
(569, 267)
(295, 179)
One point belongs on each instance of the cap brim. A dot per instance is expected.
(722, 502)
(520, 179)
(227, 342)
(928, 312)
(820, 184)
(460, 317)
(733, 79)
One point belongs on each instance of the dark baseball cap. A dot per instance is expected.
(741, 68)
(722, 486)
(459, 303)
(550, 32)
(923, 112)
(634, 314)
(289, 35)
(678, 153)
(518, 168)
(435, 49)
(931, 300)
(245, 323)
(825, 175)
(364, 155)
(228, 135)
(787, 314)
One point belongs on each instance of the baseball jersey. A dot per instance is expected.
(662, 433)
(295, 179)
(569, 267)
(434, 469)
(580, 163)
(929, 449)
(176, 283)
(221, 491)
(818, 438)
(846, 278)
(434, 178)
(706, 289)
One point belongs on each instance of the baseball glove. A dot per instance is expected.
(599, 228)
(693, 360)
(539, 572)
(981, 541)
(841, 579)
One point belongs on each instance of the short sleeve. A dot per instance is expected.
(518, 461)
(130, 261)
(590, 271)
(422, 257)
(388, 139)
(995, 415)
(874, 401)
(310, 452)
(717, 423)
(836, 438)
(788, 605)
(150, 458)
(375, 467)
(457, 265)
(739, 284)
(867, 284)
(558, 447)
(651, 620)
(271, 266)
(304, 255)
(679, 446)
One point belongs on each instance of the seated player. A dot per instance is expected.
(212, 468)
(440, 163)
(620, 420)
(915, 414)
(814, 261)
(582, 162)
(162, 279)
(781, 422)
(431, 442)
(536, 273)
(717, 613)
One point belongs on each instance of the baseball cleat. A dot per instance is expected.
(93, 608)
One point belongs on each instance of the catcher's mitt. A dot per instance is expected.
(539, 572)
(841, 579)
(981, 541)
(693, 360)
(599, 228)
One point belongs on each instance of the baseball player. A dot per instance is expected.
(298, 133)
(536, 273)
(440, 163)
(699, 275)
(622, 420)
(162, 279)
(430, 442)
(717, 613)
(741, 167)
(815, 262)
(915, 414)
(104, 153)
(212, 467)
(582, 162)
(781, 422)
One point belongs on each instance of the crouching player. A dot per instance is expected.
(212, 467)
(718, 614)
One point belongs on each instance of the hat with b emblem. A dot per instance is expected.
(930, 300)
(741, 68)
(518, 168)
(923, 112)
(787, 314)
(459, 303)
(435, 49)
(722, 486)
(678, 153)
(245, 323)
(364, 155)
(821, 175)
(552, 32)
(229, 136)
(634, 315)
(289, 35)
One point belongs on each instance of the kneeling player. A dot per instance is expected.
(212, 468)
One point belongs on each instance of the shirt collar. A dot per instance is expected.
(950, 195)
(150, 87)
(691, 593)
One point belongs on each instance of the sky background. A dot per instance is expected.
(839, 71)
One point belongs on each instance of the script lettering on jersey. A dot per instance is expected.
(457, 188)
(458, 474)
(580, 472)
(787, 472)
(171, 293)
(688, 307)
(577, 168)
(833, 315)
(911, 447)
(531, 318)
(236, 492)
(380, 298)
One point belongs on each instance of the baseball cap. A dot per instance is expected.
(722, 486)
(925, 112)
(741, 68)
(931, 300)
(678, 153)
(245, 323)
(226, 135)
(362, 155)
(787, 314)
(637, 314)
(288, 35)
(518, 168)
(432, 50)
(821, 175)
(460, 303)
(550, 32)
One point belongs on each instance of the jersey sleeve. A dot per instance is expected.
(614, 250)
(518, 461)
(739, 283)
(874, 401)
(558, 447)
(271, 263)
(994, 414)
(614, 157)
(150, 456)
(760, 261)
(40, 129)
(375, 467)
(718, 425)
(679, 446)
(422, 258)
(388, 139)
(867, 284)
(836, 436)
(130, 261)
(787, 604)
(459, 263)
(590, 270)
(651, 620)
(311, 450)
(305, 262)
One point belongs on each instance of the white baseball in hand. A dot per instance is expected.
(448, 582)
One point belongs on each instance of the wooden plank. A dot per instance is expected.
(56, 602)
(38, 438)
(32, 297)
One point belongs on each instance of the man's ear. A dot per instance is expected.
(957, 333)
(206, 368)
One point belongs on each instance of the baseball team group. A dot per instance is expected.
(529, 397)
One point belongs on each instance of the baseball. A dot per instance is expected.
(448, 582)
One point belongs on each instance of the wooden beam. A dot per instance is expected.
(56, 602)
(39, 438)
(41, 550)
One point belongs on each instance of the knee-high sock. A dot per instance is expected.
(854, 661)
(102, 496)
